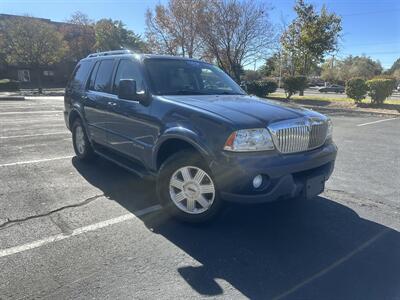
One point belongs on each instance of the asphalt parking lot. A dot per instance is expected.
(74, 230)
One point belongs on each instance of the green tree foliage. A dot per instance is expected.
(112, 35)
(79, 33)
(356, 89)
(310, 37)
(380, 89)
(250, 75)
(32, 43)
(340, 71)
(261, 88)
(294, 84)
(394, 67)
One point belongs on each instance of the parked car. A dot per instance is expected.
(334, 88)
(189, 126)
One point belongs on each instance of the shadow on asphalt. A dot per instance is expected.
(317, 249)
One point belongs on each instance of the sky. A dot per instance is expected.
(370, 27)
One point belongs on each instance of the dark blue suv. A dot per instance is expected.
(187, 124)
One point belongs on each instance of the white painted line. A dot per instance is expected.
(379, 121)
(31, 135)
(35, 161)
(78, 231)
(30, 112)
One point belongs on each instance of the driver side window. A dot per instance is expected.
(127, 69)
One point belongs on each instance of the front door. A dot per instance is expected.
(130, 131)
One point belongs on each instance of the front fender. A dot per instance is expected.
(187, 135)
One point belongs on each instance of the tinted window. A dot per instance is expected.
(93, 76)
(80, 74)
(103, 76)
(128, 69)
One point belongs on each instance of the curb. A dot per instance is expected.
(350, 111)
(12, 98)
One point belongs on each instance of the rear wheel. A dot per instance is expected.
(186, 188)
(83, 148)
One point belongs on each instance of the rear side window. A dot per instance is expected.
(80, 74)
(127, 69)
(93, 76)
(102, 82)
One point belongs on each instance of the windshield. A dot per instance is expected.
(187, 77)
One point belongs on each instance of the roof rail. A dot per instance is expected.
(106, 53)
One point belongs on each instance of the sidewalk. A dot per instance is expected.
(20, 95)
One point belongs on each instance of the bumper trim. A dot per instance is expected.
(286, 187)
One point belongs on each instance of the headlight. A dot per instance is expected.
(257, 139)
(330, 129)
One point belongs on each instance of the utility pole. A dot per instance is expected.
(280, 69)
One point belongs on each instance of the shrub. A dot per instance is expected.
(261, 88)
(356, 89)
(380, 89)
(7, 85)
(294, 84)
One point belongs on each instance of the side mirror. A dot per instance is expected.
(127, 89)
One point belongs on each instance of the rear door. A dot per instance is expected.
(99, 102)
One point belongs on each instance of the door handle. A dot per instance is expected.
(111, 103)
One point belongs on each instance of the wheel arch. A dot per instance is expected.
(173, 143)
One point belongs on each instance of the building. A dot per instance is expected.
(52, 76)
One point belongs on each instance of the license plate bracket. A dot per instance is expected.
(314, 186)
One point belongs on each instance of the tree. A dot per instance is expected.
(310, 37)
(340, 71)
(395, 69)
(32, 43)
(237, 33)
(80, 36)
(175, 28)
(112, 35)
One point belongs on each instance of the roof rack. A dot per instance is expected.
(106, 53)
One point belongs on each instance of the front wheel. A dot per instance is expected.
(186, 188)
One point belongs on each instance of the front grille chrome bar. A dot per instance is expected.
(298, 135)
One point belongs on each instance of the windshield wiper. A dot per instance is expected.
(186, 92)
(229, 93)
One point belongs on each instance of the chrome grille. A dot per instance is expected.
(298, 135)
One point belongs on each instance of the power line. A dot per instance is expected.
(370, 12)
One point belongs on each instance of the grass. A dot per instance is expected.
(326, 98)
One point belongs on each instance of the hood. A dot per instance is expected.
(244, 109)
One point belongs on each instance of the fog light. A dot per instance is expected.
(257, 181)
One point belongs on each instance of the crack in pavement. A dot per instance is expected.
(10, 222)
(364, 201)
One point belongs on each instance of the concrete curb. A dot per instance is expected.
(348, 111)
(12, 98)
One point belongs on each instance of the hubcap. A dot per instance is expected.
(192, 190)
(80, 139)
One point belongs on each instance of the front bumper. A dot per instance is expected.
(284, 175)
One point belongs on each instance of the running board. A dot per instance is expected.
(125, 163)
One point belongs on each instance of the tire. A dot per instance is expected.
(83, 148)
(180, 182)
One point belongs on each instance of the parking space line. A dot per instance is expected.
(35, 161)
(379, 121)
(31, 135)
(30, 112)
(78, 231)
